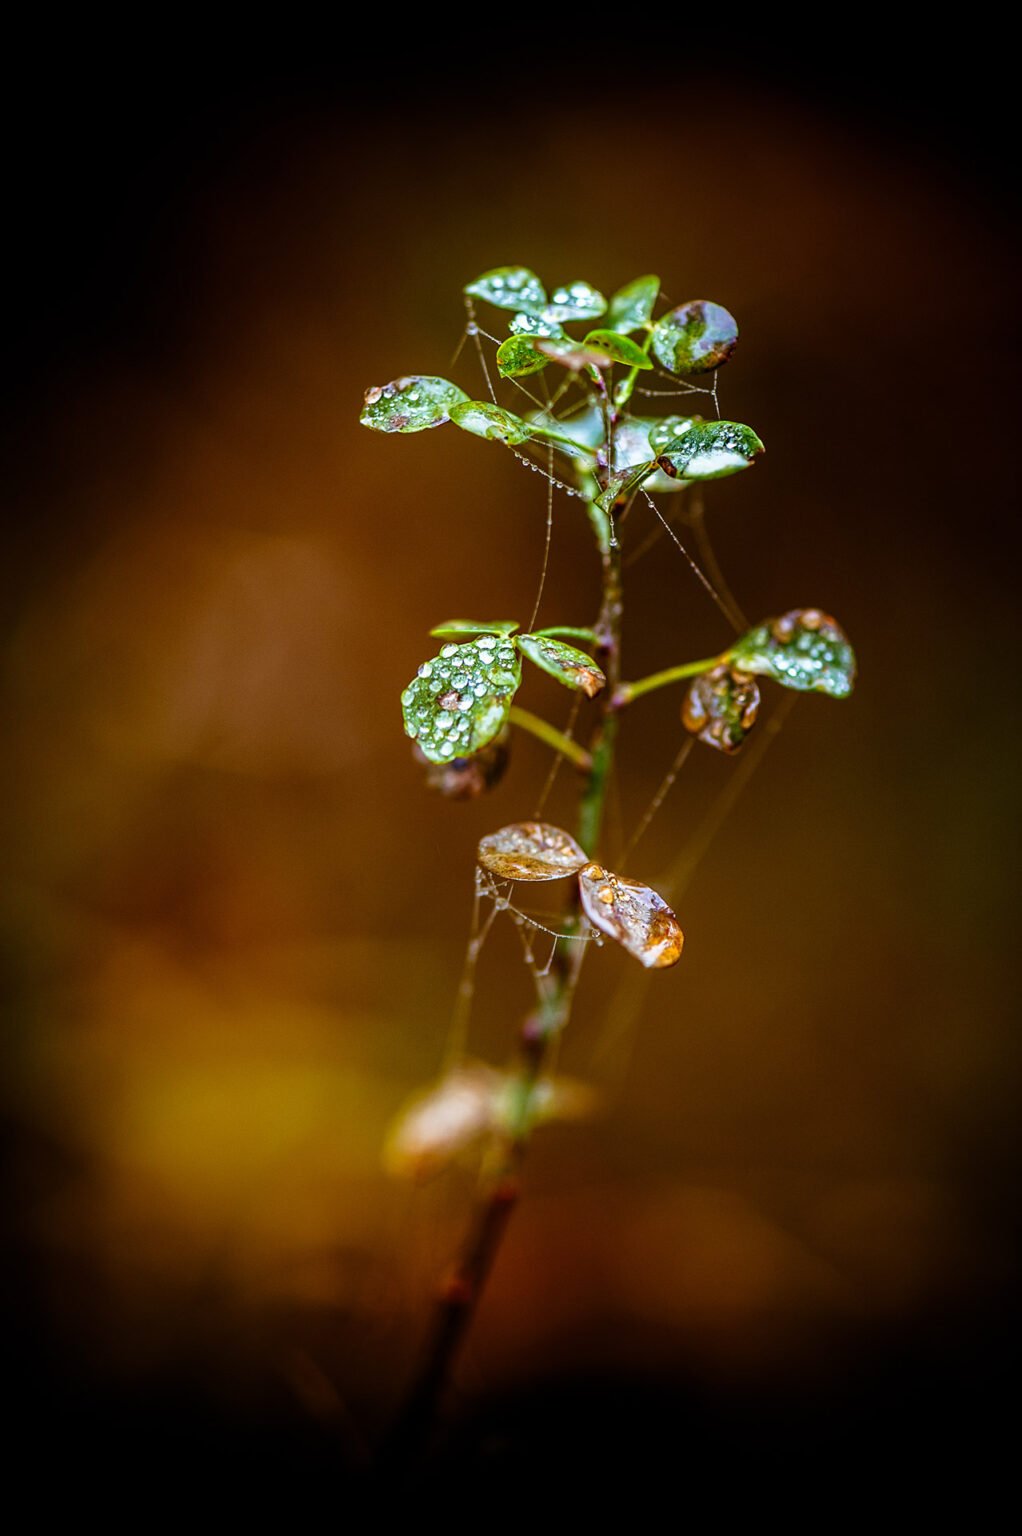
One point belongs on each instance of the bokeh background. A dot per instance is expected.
(234, 917)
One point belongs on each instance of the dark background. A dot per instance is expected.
(234, 917)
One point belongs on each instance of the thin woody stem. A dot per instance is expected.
(500, 1181)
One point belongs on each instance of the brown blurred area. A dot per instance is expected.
(234, 918)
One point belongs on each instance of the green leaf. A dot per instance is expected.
(622, 483)
(695, 337)
(509, 288)
(720, 708)
(410, 404)
(668, 429)
(576, 632)
(467, 627)
(620, 349)
(534, 325)
(575, 301)
(709, 450)
(803, 649)
(631, 308)
(517, 356)
(460, 699)
(571, 667)
(490, 421)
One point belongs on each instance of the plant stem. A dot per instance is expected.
(626, 692)
(527, 721)
(500, 1180)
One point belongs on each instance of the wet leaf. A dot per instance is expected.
(571, 667)
(534, 325)
(622, 483)
(803, 649)
(509, 288)
(632, 446)
(695, 337)
(721, 707)
(490, 421)
(454, 627)
(517, 357)
(410, 404)
(442, 1121)
(576, 632)
(631, 308)
(620, 349)
(668, 429)
(633, 915)
(531, 850)
(710, 450)
(575, 301)
(460, 699)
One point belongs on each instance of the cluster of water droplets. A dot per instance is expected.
(459, 700)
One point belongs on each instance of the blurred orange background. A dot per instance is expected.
(234, 917)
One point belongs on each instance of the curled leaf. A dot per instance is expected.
(804, 649)
(460, 699)
(575, 301)
(517, 357)
(530, 850)
(622, 483)
(632, 306)
(695, 337)
(710, 450)
(489, 421)
(509, 288)
(721, 707)
(442, 1121)
(410, 404)
(633, 915)
(619, 348)
(571, 667)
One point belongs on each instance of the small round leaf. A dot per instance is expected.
(517, 357)
(710, 450)
(490, 421)
(575, 301)
(531, 850)
(534, 325)
(410, 404)
(803, 649)
(620, 349)
(460, 700)
(695, 337)
(509, 288)
(633, 915)
(668, 429)
(631, 308)
(720, 708)
(571, 667)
